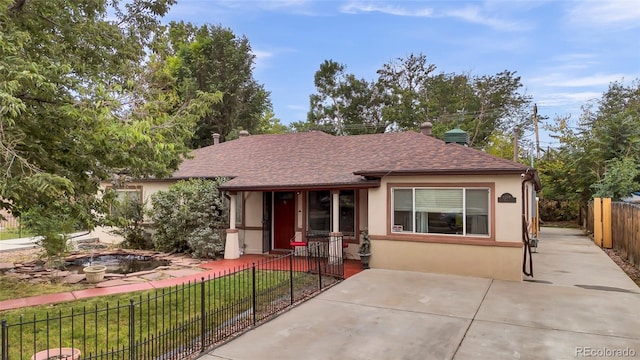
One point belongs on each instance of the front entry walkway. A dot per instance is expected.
(580, 305)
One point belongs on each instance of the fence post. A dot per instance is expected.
(291, 275)
(319, 271)
(5, 340)
(606, 223)
(132, 328)
(253, 290)
(202, 315)
(597, 221)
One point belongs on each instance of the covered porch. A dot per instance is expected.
(279, 221)
(350, 266)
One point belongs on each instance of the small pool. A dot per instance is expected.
(117, 264)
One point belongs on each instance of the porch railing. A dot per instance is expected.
(177, 322)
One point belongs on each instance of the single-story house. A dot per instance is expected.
(429, 205)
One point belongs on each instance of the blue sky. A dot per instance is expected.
(567, 52)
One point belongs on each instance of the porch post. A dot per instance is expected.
(335, 245)
(232, 247)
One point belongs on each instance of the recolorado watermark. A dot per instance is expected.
(603, 352)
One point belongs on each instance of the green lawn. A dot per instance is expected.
(14, 233)
(170, 316)
(12, 288)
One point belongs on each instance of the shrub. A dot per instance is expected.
(190, 217)
(127, 216)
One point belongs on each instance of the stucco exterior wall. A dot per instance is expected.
(148, 188)
(504, 263)
(496, 256)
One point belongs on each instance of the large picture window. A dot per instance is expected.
(450, 211)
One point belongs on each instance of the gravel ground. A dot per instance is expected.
(632, 271)
(19, 256)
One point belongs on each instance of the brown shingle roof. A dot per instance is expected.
(316, 159)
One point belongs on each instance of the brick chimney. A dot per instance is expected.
(216, 138)
(425, 128)
(243, 133)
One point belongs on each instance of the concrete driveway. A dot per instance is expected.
(580, 304)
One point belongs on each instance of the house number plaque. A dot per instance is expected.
(506, 198)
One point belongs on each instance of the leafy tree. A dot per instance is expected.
(499, 106)
(407, 93)
(600, 152)
(344, 104)
(405, 84)
(269, 124)
(500, 145)
(190, 217)
(212, 59)
(620, 179)
(78, 104)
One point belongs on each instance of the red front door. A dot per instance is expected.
(284, 219)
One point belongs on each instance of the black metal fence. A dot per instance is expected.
(176, 322)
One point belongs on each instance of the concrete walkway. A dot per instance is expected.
(580, 304)
(18, 244)
(32, 242)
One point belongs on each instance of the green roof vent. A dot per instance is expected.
(457, 136)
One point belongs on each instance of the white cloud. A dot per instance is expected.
(566, 99)
(470, 14)
(262, 58)
(611, 13)
(562, 80)
(355, 7)
(474, 15)
(259, 54)
(207, 6)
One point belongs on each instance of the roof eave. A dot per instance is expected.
(417, 172)
(299, 187)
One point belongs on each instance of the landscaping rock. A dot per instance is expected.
(181, 272)
(6, 266)
(18, 276)
(110, 275)
(39, 280)
(140, 273)
(74, 278)
(152, 276)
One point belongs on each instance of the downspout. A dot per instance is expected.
(526, 177)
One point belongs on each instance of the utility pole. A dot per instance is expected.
(535, 126)
(515, 144)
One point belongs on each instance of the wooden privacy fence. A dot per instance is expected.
(625, 231)
(9, 222)
(616, 225)
(602, 222)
